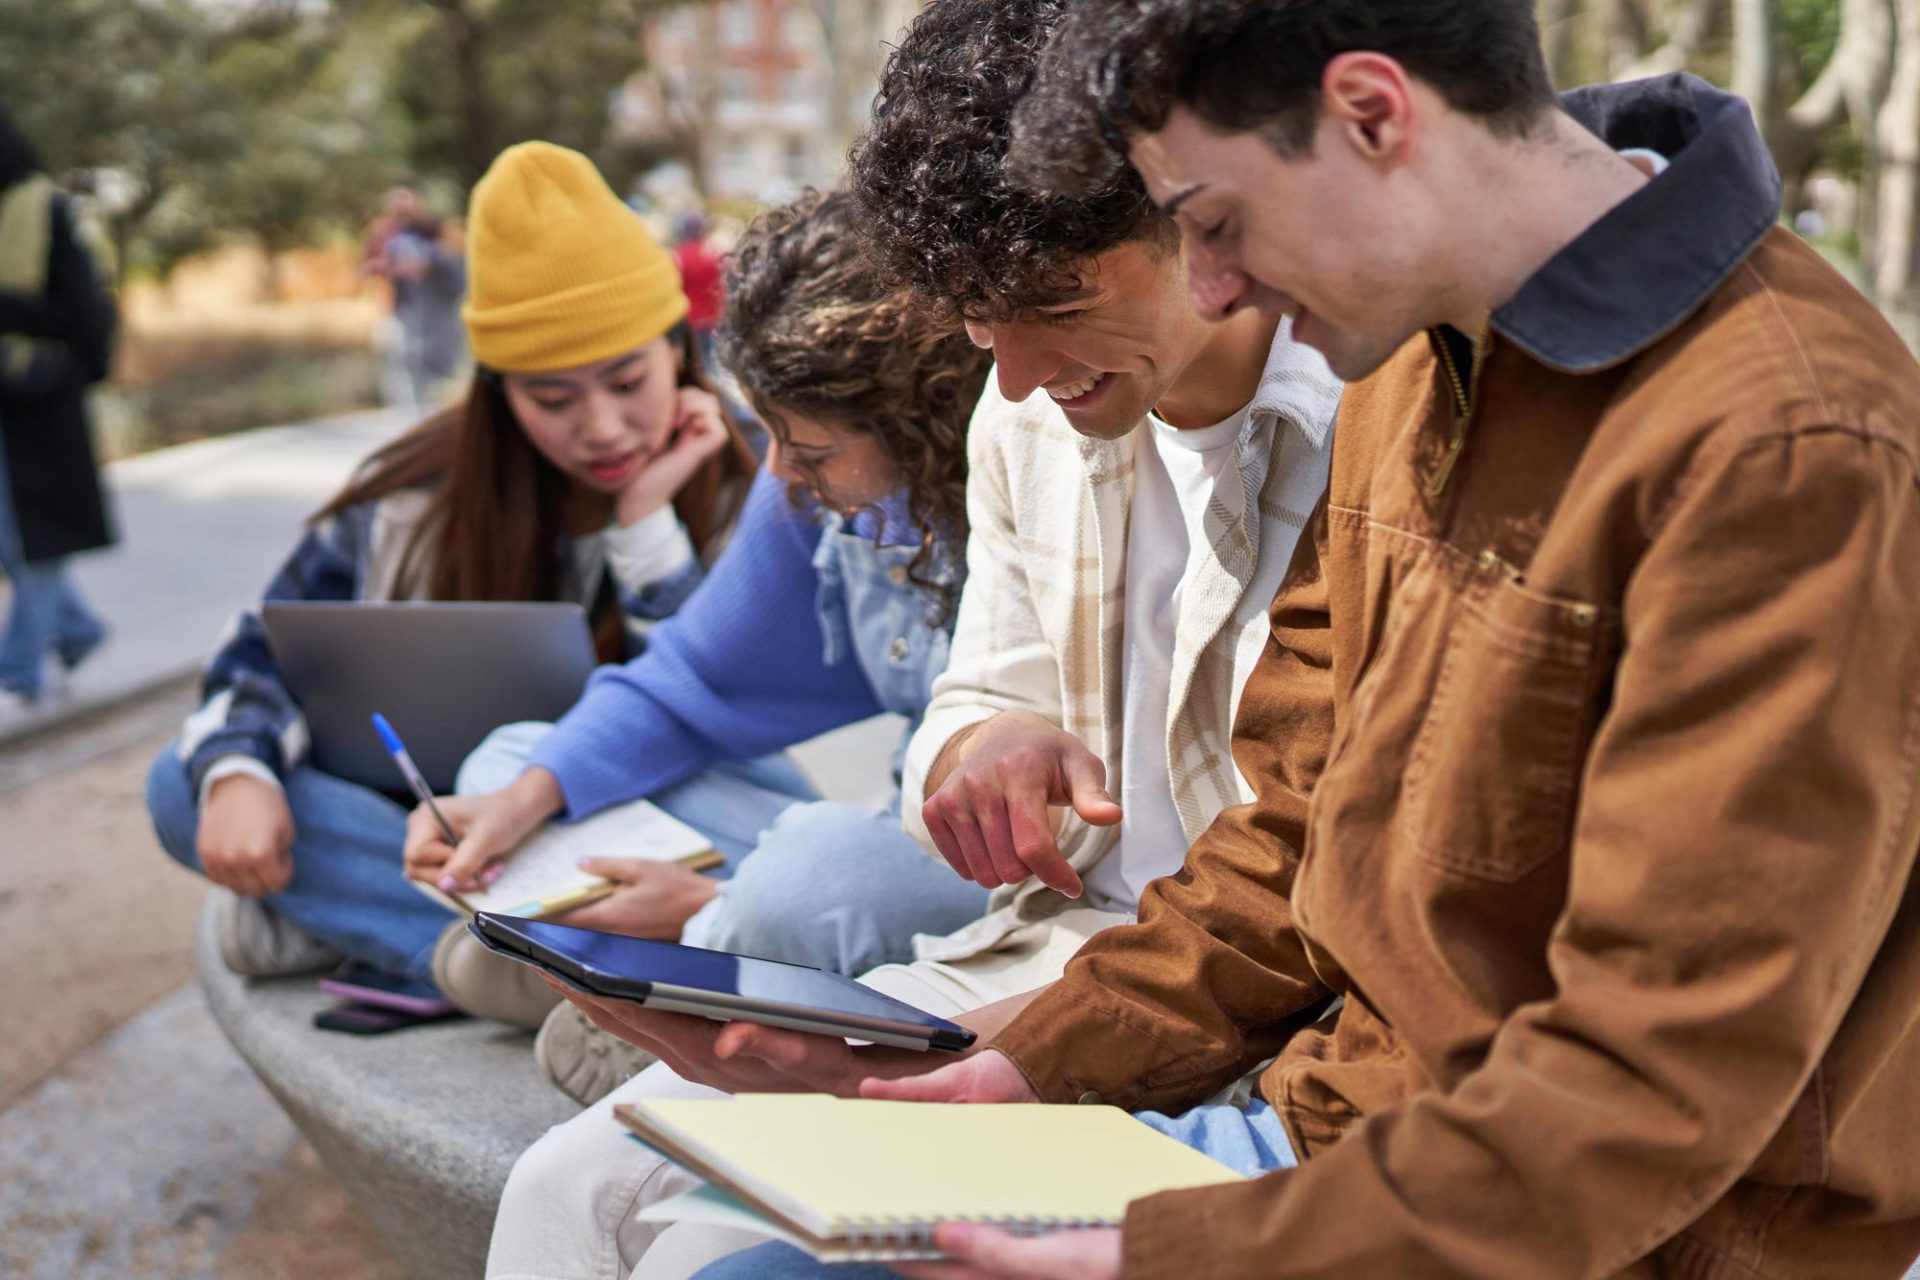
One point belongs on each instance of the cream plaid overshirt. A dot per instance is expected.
(1042, 622)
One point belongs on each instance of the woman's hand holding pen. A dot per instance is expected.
(489, 828)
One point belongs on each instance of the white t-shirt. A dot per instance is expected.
(1175, 474)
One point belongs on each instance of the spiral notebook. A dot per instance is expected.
(852, 1180)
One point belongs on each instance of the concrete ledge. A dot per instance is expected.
(422, 1126)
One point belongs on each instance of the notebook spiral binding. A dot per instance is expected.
(878, 1239)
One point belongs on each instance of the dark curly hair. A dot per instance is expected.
(936, 209)
(811, 329)
(1117, 68)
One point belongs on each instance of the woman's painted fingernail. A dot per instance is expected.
(448, 884)
(493, 873)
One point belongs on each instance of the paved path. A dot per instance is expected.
(156, 1154)
(133, 1142)
(202, 528)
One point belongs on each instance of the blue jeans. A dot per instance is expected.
(1249, 1141)
(835, 886)
(348, 889)
(47, 615)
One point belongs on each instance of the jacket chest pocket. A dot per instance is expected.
(1493, 775)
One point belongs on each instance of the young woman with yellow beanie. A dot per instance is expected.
(589, 462)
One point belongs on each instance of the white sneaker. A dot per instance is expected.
(257, 943)
(581, 1060)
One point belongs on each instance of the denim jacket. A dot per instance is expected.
(870, 609)
(808, 621)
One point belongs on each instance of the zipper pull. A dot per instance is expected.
(1455, 447)
(1463, 389)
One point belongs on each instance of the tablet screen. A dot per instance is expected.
(609, 956)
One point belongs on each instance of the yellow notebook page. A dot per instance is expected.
(837, 1161)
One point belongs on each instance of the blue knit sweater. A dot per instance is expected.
(740, 671)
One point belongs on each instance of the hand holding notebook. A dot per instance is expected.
(862, 1180)
(543, 877)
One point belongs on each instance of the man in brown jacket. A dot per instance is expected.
(1587, 740)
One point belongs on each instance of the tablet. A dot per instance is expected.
(716, 984)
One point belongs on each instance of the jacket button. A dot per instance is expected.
(1584, 615)
(1488, 559)
(1091, 1098)
(899, 649)
(898, 574)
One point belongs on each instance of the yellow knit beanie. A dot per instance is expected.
(559, 272)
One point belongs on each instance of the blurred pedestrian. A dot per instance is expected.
(700, 277)
(423, 263)
(57, 325)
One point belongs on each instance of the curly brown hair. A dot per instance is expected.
(811, 330)
(937, 209)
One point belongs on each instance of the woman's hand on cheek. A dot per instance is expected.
(699, 432)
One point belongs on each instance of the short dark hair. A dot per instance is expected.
(810, 328)
(937, 210)
(1117, 68)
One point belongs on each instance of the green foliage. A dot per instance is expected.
(286, 119)
(1807, 32)
(507, 71)
(230, 118)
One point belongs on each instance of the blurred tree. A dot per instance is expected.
(1835, 86)
(473, 76)
(1893, 253)
(234, 117)
(285, 119)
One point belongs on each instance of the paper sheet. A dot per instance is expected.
(547, 866)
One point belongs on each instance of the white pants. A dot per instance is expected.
(568, 1209)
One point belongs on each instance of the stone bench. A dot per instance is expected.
(421, 1126)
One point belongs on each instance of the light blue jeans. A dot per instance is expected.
(47, 614)
(835, 886)
(1249, 1141)
(348, 889)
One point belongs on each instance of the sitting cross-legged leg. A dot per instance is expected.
(347, 890)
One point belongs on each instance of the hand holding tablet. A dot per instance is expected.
(715, 984)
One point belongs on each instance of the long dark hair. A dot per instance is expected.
(493, 527)
(18, 160)
(810, 329)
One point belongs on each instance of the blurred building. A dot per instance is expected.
(762, 96)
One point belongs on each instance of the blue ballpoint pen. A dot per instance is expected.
(411, 772)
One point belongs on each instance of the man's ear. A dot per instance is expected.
(1368, 100)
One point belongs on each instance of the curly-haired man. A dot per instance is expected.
(1138, 478)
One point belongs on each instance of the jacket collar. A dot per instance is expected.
(1297, 388)
(1636, 274)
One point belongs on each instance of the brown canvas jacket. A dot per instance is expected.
(1609, 716)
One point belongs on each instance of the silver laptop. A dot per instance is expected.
(444, 675)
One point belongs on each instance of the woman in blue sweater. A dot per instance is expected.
(833, 602)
